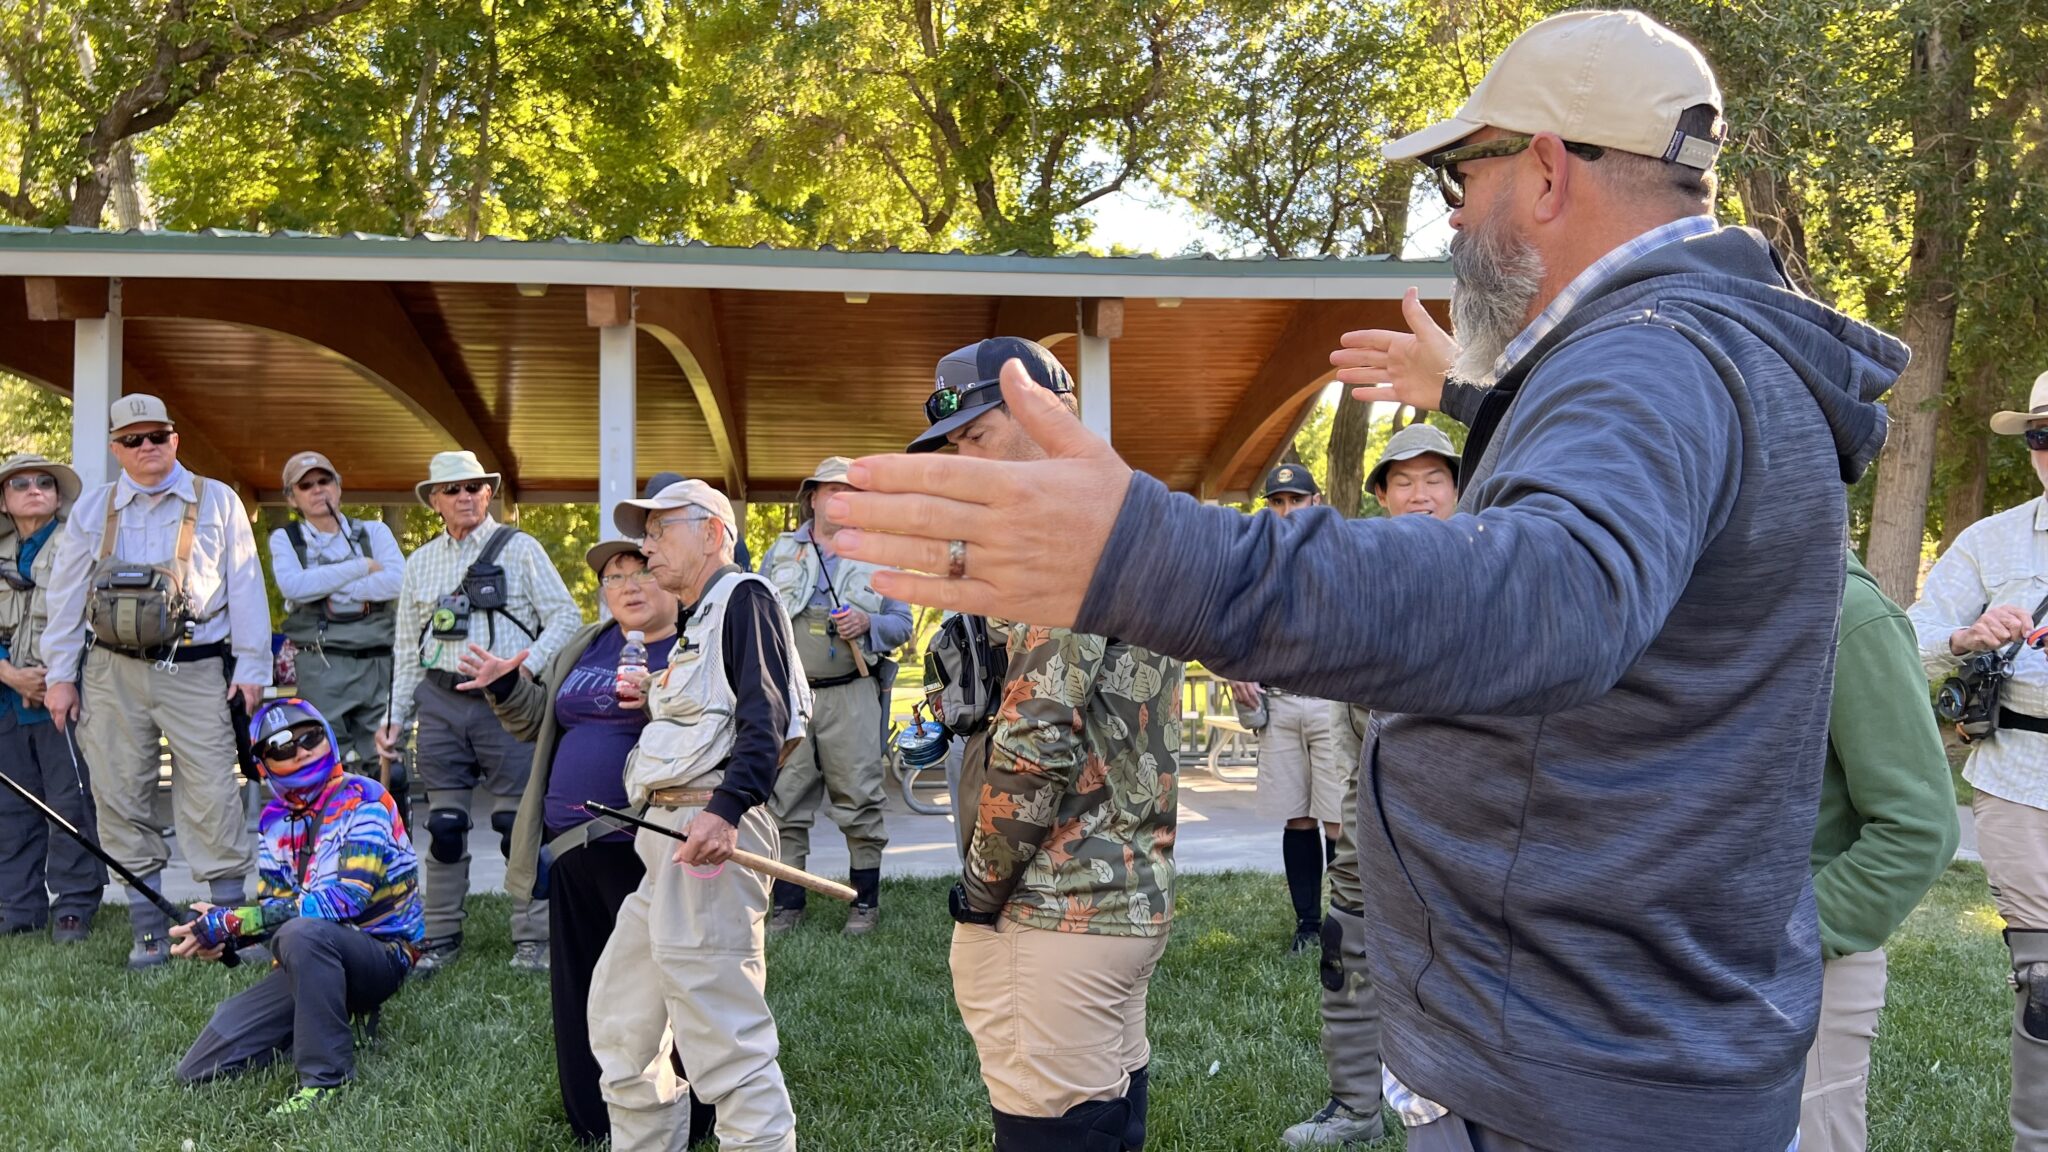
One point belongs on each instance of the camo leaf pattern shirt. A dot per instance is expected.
(1075, 810)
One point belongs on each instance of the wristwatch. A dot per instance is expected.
(956, 904)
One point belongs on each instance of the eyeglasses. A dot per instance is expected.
(289, 743)
(656, 524)
(311, 483)
(1451, 182)
(620, 579)
(2037, 439)
(30, 481)
(471, 488)
(138, 439)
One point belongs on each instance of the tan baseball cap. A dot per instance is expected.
(1617, 79)
(141, 408)
(2014, 423)
(295, 469)
(631, 515)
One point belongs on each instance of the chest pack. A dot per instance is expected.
(964, 670)
(142, 608)
(360, 538)
(482, 592)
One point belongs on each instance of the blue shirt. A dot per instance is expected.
(10, 700)
(590, 758)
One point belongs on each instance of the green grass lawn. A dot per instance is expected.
(874, 1052)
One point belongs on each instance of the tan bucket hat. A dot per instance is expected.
(1617, 79)
(454, 468)
(630, 516)
(831, 470)
(68, 484)
(2014, 423)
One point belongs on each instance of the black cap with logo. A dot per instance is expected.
(969, 383)
(1290, 478)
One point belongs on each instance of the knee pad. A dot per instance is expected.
(501, 823)
(448, 835)
(2031, 982)
(1332, 967)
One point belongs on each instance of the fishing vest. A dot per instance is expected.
(142, 609)
(22, 611)
(792, 566)
(689, 732)
(315, 624)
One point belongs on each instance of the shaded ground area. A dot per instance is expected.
(873, 1049)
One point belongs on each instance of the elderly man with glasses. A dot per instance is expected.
(160, 568)
(689, 953)
(484, 584)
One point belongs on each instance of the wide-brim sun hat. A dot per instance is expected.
(68, 484)
(454, 468)
(2014, 423)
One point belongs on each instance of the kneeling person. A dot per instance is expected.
(338, 902)
(688, 952)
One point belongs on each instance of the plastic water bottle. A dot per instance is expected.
(632, 659)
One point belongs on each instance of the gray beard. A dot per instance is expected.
(1497, 277)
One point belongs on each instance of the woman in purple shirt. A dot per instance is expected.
(582, 721)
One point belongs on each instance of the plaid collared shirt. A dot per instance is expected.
(1586, 281)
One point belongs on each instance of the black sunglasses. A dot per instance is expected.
(2037, 439)
(12, 577)
(289, 743)
(320, 481)
(472, 488)
(948, 399)
(138, 439)
(1451, 182)
(25, 482)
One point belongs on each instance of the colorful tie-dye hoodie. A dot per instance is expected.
(360, 870)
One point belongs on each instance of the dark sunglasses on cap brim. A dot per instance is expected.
(948, 400)
(286, 745)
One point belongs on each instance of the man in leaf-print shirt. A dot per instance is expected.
(1067, 888)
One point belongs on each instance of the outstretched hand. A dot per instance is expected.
(484, 669)
(1033, 529)
(1404, 367)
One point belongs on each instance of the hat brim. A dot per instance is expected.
(68, 484)
(2014, 423)
(1435, 138)
(1291, 488)
(934, 437)
(606, 551)
(630, 517)
(421, 489)
(1378, 474)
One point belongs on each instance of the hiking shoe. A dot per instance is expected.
(149, 952)
(530, 956)
(70, 930)
(1306, 940)
(305, 1100)
(862, 920)
(783, 919)
(1338, 1125)
(435, 957)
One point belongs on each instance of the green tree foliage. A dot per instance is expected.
(33, 419)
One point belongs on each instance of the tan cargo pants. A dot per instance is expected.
(124, 704)
(688, 956)
(841, 761)
(1058, 1018)
(1833, 1111)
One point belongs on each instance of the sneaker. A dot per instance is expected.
(305, 1100)
(862, 920)
(1338, 1125)
(530, 956)
(70, 930)
(149, 952)
(783, 919)
(1306, 940)
(435, 957)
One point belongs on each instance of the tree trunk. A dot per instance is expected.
(480, 175)
(1944, 68)
(1772, 207)
(1351, 424)
(1965, 440)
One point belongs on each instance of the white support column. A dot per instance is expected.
(95, 385)
(1095, 383)
(616, 382)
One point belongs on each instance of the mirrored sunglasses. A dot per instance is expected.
(286, 745)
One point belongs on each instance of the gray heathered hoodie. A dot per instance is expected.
(1585, 836)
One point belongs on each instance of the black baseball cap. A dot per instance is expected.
(969, 383)
(1290, 478)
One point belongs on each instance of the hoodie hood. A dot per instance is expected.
(301, 786)
(1731, 277)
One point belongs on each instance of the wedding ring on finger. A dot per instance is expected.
(956, 558)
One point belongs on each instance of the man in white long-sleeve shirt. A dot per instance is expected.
(173, 598)
(340, 578)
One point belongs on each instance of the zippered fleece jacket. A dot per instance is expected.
(1584, 839)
